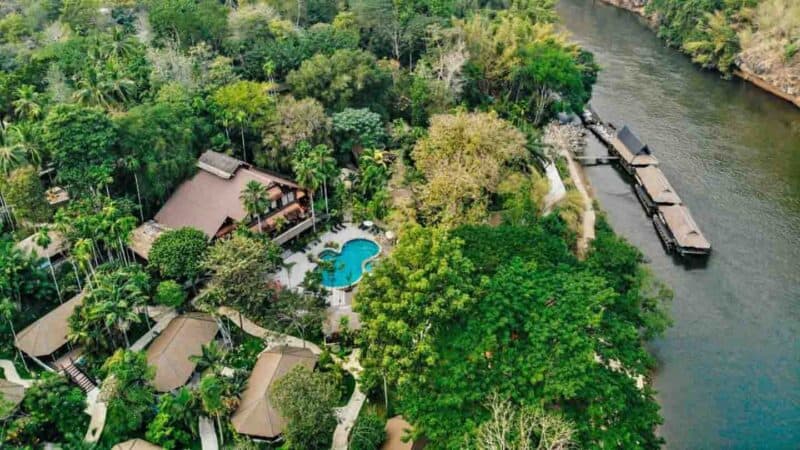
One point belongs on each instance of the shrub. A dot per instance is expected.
(169, 293)
(369, 432)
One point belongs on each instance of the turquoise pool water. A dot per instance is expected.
(348, 263)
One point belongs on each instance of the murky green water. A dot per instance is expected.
(730, 367)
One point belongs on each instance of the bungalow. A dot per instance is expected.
(256, 416)
(170, 351)
(397, 436)
(48, 334)
(632, 152)
(653, 189)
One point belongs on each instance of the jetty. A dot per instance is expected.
(672, 220)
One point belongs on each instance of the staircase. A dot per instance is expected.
(78, 377)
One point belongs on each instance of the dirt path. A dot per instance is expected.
(589, 216)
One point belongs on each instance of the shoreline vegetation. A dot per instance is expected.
(431, 119)
(778, 74)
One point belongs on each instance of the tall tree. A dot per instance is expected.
(128, 394)
(247, 103)
(80, 140)
(178, 254)
(306, 399)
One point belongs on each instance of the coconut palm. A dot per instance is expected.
(212, 393)
(308, 177)
(210, 357)
(27, 103)
(120, 46)
(24, 136)
(44, 240)
(91, 89)
(255, 200)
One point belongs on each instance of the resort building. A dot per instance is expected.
(210, 202)
(256, 416)
(48, 334)
(170, 351)
(631, 151)
(58, 246)
(653, 189)
(397, 429)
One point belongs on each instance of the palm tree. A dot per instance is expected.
(325, 165)
(7, 310)
(119, 46)
(255, 200)
(91, 90)
(307, 177)
(24, 136)
(27, 103)
(212, 393)
(210, 357)
(43, 240)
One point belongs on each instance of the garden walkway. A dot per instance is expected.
(589, 216)
(95, 407)
(12, 375)
(272, 338)
(208, 437)
(347, 415)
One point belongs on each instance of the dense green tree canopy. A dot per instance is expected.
(306, 399)
(128, 395)
(80, 141)
(178, 254)
(345, 78)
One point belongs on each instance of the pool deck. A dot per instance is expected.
(303, 265)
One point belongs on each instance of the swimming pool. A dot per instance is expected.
(349, 263)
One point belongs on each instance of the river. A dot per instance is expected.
(729, 368)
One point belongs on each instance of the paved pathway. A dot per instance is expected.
(589, 216)
(347, 415)
(271, 337)
(557, 189)
(12, 375)
(208, 437)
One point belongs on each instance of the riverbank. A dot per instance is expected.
(767, 76)
(732, 151)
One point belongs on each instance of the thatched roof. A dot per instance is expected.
(211, 197)
(170, 351)
(631, 149)
(657, 186)
(396, 429)
(219, 164)
(135, 444)
(683, 227)
(11, 393)
(256, 416)
(49, 333)
(56, 196)
(57, 245)
(142, 238)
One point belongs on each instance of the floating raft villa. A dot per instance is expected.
(671, 219)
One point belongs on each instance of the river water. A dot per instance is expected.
(729, 369)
